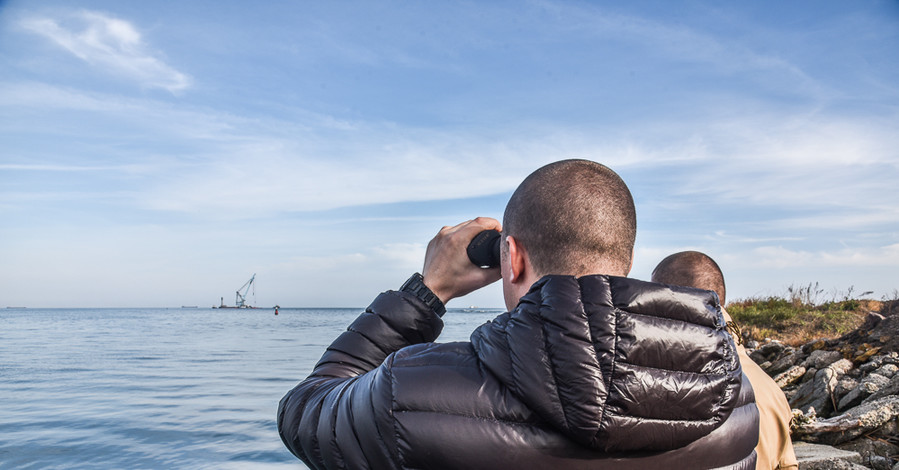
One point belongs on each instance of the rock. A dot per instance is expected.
(890, 307)
(766, 351)
(822, 457)
(818, 392)
(874, 452)
(783, 364)
(809, 375)
(879, 462)
(887, 370)
(815, 345)
(820, 359)
(866, 387)
(865, 352)
(789, 393)
(877, 416)
(857, 374)
(815, 393)
(891, 388)
(885, 333)
(833, 465)
(873, 364)
(871, 321)
(799, 420)
(790, 376)
(841, 367)
(845, 385)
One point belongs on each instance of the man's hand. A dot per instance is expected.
(448, 272)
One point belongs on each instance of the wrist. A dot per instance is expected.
(443, 296)
(416, 286)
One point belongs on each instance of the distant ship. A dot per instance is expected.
(240, 300)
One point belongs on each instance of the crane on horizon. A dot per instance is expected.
(240, 301)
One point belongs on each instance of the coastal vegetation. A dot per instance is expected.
(804, 313)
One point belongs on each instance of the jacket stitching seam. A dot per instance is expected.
(377, 345)
(479, 418)
(333, 443)
(670, 420)
(712, 374)
(660, 317)
(396, 432)
(552, 369)
(351, 389)
(302, 406)
(371, 397)
(612, 370)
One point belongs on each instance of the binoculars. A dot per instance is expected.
(483, 250)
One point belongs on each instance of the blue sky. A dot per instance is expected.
(160, 153)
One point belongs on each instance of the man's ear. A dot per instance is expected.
(517, 260)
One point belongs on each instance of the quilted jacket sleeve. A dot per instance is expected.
(341, 416)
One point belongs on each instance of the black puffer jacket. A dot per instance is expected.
(594, 372)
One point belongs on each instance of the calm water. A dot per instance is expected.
(160, 388)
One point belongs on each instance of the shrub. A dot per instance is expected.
(797, 317)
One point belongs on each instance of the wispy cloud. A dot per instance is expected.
(69, 168)
(820, 171)
(227, 162)
(325, 140)
(403, 255)
(680, 43)
(723, 235)
(109, 43)
(779, 257)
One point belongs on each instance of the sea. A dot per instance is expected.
(135, 388)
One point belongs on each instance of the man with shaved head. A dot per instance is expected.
(691, 269)
(588, 369)
(775, 448)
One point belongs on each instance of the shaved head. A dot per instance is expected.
(691, 269)
(574, 217)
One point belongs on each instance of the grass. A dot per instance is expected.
(800, 315)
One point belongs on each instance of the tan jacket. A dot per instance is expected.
(775, 448)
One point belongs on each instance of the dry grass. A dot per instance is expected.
(799, 316)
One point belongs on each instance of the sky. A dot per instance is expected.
(159, 154)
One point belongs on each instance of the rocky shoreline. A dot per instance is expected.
(844, 393)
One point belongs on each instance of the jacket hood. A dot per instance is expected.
(616, 364)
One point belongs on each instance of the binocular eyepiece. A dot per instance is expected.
(483, 250)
